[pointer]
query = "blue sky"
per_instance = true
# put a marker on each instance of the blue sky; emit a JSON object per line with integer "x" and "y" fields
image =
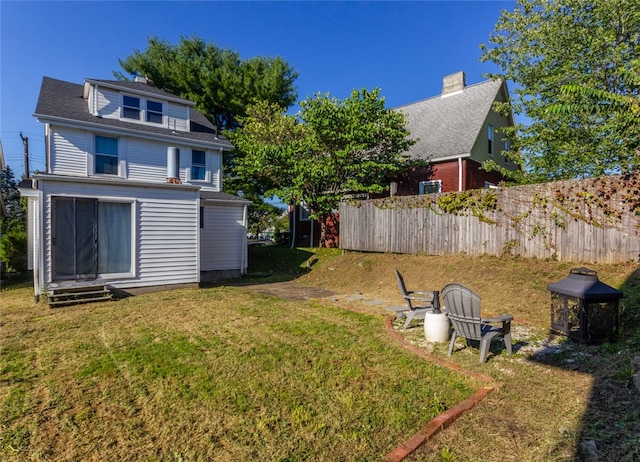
{"x": 403, "y": 48}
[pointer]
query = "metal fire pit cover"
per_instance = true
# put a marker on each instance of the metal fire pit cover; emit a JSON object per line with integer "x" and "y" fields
{"x": 584, "y": 283}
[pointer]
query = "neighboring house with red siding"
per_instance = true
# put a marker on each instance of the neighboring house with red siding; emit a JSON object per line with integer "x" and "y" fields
{"x": 306, "y": 232}
{"x": 457, "y": 131}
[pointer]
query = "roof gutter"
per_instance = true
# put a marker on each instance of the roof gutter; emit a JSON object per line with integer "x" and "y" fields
{"x": 72, "y": 123}
{"x": 226, "y": 201}
{"x": 139, "y": 91}
{"x": 104, "y": 180}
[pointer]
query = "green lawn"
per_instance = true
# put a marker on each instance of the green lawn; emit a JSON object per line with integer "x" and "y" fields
{"x": 208, "y": 374}
{"x": 226, "y": 374}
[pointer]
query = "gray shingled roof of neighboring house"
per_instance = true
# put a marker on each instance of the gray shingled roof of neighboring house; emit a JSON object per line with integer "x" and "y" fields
{"x": 448, "y": 126}
{"x": 64, "y": 101}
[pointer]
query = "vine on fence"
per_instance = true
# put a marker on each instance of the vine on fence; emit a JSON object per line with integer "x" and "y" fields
{"x": 476, "y": 202}
{"x": 538, "y": 212}
{"x": 596, "y": 201}
{"x": 600, "y": 201}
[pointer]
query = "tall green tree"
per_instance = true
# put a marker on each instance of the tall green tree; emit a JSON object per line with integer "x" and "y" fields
{"x": 547, "y": 47}
{"x": 625, "y": 108}
{"x": 220, "y": 83}
{"x": 13, "y": 234}
{"x": 15, "y": 218}
{"x": 331, "y": 148}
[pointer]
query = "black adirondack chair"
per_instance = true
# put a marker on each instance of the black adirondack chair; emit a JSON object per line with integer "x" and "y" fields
{"x": 463, "y": 307}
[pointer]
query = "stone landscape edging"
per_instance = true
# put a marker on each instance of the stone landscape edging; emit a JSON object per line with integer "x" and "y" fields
{"x": 446, "y": 418}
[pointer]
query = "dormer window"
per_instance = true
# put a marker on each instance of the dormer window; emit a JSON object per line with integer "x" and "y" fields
{"x": 141, "y": 110}
{"x": 130, "y": 107}
{"x": 154, "y": 112}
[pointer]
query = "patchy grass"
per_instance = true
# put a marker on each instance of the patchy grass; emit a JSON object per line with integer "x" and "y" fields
{"x": 208, "y": 374}
{"x": 225, "y": 374}
{"x": 556, "y": 394}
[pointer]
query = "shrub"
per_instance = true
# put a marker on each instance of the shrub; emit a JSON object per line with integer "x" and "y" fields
{"x": 13, "y": 250}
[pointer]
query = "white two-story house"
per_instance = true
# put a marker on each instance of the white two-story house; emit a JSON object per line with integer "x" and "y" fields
{"x": 132, "y": 194}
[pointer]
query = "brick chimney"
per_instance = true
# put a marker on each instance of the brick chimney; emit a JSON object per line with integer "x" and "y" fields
{"x": 453, "y": 83}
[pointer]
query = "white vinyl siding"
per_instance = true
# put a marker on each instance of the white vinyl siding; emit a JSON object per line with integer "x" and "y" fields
{"x": 108, "y": 103}
{"x": 72, "y": 153}
{"x": 168, "y": 243}
{"x": 223, "y": 238}
{"x": 69, "y": 152}
{"x": 146, "y": 160}
{"x": 215, "y": 167}
{"x": 33, "y": 231}
{"x": 164, "y": 230}
{"x": 178, "y": 117}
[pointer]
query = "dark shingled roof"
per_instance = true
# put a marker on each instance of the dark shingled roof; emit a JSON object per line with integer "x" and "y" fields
{"x": 220, "y": 196}
{"x": 140, "y": 88}
{"x": 449, "y": 126}
{"x": 64, "y": 100}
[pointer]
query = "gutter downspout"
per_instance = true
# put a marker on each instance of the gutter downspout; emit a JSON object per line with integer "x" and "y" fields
{"x": 459, "y": 173}
{"x": 293, "y": 227}
{"x": 313, "y": 225}
{"x": 245, "y": 250}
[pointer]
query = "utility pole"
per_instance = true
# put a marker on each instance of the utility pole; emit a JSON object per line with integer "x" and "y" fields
{"x": 25, "y": 142}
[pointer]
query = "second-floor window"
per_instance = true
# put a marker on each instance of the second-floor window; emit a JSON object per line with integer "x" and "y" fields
{"x": 198, "y": 167}
{"x": 106, "y": 158}
{"x": 154, "y": 112}
{"x": 490, "y": 140}
{"x": 130, "y": 107}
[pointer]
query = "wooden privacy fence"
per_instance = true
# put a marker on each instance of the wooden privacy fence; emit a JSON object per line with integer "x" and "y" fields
{"x": 592, "y": 220}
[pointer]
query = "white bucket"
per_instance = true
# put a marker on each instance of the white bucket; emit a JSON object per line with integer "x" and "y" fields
{"x": 437, "y": 327}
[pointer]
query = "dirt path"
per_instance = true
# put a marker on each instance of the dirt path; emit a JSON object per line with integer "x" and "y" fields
{"x": 289, "y": 290}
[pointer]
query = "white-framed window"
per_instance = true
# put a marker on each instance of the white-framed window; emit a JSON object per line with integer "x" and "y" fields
{"x": 115, "y": 239}
{"x": 490, "y": 134}
{"x": 430, "y": 187}
{"x": 91, "y": 238}
{"x": 130, "y": 107}
{"x": 304, "y": 212}
{"x": 154, "y": 112}
{"x": 142, "y": 110}
{"x": 198, "y": 165}
{"x": 507, "y": 148}
{"x": 106, "y": 155}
